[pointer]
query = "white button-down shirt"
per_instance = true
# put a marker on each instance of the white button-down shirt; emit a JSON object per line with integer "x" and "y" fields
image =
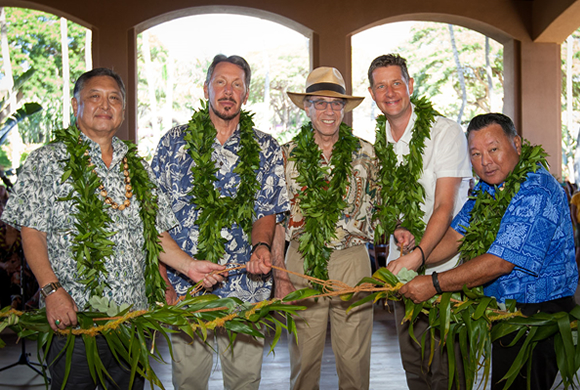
{"x": 445, "y": 155}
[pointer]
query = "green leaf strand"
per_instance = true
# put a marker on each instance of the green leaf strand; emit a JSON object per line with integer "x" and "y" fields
{"x": 401, "y": 193}
{"x": 321, "y": 200}
{"x": 217, "y": 212}
{"x": 91, "y": 245}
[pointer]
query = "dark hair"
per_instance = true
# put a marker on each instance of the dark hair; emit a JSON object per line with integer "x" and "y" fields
{"x": 80, "y": 84}
{"x": 389, "y": 60}
{"x": 481, "y": 121}
{"x": 236, "y": 60}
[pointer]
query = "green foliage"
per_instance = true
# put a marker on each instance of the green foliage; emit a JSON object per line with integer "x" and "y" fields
{"x": 476, "y": 321}
{"x": 401, "y": 193}
{"x": 321, "y": 199}
{"x": 431, "y": 63}
{"x": 217, "y": 212}
{"x": 91, "y": 244}
{"x": 128, "y": 336}
{"x": 34, "y": 40}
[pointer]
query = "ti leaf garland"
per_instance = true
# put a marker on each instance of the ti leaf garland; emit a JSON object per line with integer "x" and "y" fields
{"x": 217, "y": 212}
{"x": 321, "y": 201}
{"x": 92, "y": 245}
{"x": 401, "y": 194}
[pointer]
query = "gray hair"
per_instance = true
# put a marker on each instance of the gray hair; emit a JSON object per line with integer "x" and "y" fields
{"x": 82, "y": 80}
{"x": 236, "y": 60}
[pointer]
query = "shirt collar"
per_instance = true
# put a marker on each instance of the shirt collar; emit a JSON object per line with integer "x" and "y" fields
{"x": 119, "y": 150}
{"x": 232, "y": 141}
{"x": 408, "y": 134}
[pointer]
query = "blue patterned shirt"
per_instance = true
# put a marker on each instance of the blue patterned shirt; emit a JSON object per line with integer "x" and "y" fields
{"x": 535, "y": 235}
{"x": 172, "y": 165}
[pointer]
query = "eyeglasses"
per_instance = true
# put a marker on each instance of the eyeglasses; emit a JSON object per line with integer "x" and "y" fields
{"x": 321, "y": 105}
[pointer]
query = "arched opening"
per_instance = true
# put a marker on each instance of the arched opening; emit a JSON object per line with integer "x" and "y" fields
{"x": 42, "y": 56}
{"x": 171, "y": 68}
{"x": 459, "y": 69}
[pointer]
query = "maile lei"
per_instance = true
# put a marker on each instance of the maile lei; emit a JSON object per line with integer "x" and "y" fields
{"x": 217, "y": 212}
{"x": 401, "y": 194}
{"x": 92, "y": 245}
{"x": 321, "y": 201}
{"x": 489, "y": 209}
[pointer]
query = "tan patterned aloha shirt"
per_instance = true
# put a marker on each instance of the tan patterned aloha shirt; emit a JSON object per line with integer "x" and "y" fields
{"x": 355, "y": 225}
{"x": 34, "y": 203}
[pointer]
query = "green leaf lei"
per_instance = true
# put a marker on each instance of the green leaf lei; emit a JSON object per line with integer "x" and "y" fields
{"x": 217, "y": 212}
{"x": 401, "y": 194}
{"x": 321, "y": 201}
{"x": 488, "y": 211}
{"x": 92, "y": 245}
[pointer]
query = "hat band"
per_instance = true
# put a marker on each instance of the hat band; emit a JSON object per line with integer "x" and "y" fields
{"x": 325, "y": 87}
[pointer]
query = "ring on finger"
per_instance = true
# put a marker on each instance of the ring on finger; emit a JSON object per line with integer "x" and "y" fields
{"x": 57, "y": 322}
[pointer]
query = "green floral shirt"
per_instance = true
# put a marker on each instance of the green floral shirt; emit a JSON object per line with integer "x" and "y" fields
{"x": 34, "y": 203}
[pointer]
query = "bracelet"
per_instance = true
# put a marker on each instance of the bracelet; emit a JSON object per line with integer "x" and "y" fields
{"x": 422, "y": 256}
{"x": 436, "y": 282}
{"x": 261, "y": 243}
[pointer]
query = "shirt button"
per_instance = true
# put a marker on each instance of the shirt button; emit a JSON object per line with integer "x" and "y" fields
{"x": 221, "y": 164}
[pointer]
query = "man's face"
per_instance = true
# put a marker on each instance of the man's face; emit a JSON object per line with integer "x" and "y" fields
{"x": 325, "y": 122}
{"x": 226, "y": 90}
{"x": 493, "y": 154}
{"x": 391, "y": 91}
{"x": 99, "y": 109}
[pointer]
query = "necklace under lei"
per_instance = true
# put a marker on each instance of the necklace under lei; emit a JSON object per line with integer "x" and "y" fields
{"x": 92, "y": 245}
{"x": 401, "y": 193}
{"x": 216, "y": 211}
{"x": 321, "y": 200}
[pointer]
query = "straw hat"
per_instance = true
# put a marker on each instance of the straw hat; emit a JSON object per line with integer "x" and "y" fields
{"x": 328, "y": 82}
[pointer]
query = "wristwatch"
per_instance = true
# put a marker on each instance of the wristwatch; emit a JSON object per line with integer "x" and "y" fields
{"x": 50, "y": 288}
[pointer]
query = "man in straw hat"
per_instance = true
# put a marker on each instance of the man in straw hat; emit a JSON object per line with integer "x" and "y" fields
{"x": 330, "y": 175}
{"x": 419, "y": 137}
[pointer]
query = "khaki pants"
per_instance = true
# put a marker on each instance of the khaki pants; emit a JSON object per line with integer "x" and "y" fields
{"x": 419, "y": 375}
{"x": 350, "y": 333}
{"x": 193, "y": 361}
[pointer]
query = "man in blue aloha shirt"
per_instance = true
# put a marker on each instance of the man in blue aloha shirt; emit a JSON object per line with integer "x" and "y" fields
{"x": 226, "y": 88}
{"x": 531, "y": 259}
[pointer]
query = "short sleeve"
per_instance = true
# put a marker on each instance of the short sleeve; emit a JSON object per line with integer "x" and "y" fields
{"x": 462, "y": 220}
{"x": 451, "y": 150}
{"x": 272, "y": 198}
{"x": 30, "y": 202}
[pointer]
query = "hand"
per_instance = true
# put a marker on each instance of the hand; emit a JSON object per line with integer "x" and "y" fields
{"x": 170, "y": 294}
{"x": 60, "y": 306}
{"x": 283, "y": 287}
{"x": 260, "y": 261}
{"x": 419, "y": 289}
{"x": 412, "y": 261}
{"x": 405, "y": 240}
{"x": 206, "y": 272}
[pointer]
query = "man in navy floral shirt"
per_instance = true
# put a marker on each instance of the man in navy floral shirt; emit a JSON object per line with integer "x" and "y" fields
{"x": 226, "y": 88}
{"x": 532, "y": 257}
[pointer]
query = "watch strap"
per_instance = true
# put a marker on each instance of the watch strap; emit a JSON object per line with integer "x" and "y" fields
{"x": 50, "y": 288}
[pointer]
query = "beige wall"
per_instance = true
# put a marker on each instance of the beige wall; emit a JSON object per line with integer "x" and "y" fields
{"x": 531, "y": 31}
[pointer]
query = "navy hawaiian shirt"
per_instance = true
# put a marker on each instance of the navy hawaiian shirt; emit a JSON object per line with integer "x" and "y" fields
{"x": 172, "y": 165}
{"x": 536, "y": 236}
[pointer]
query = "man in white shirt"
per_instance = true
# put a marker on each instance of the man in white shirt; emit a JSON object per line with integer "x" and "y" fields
{"x": 445, "y": 180}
